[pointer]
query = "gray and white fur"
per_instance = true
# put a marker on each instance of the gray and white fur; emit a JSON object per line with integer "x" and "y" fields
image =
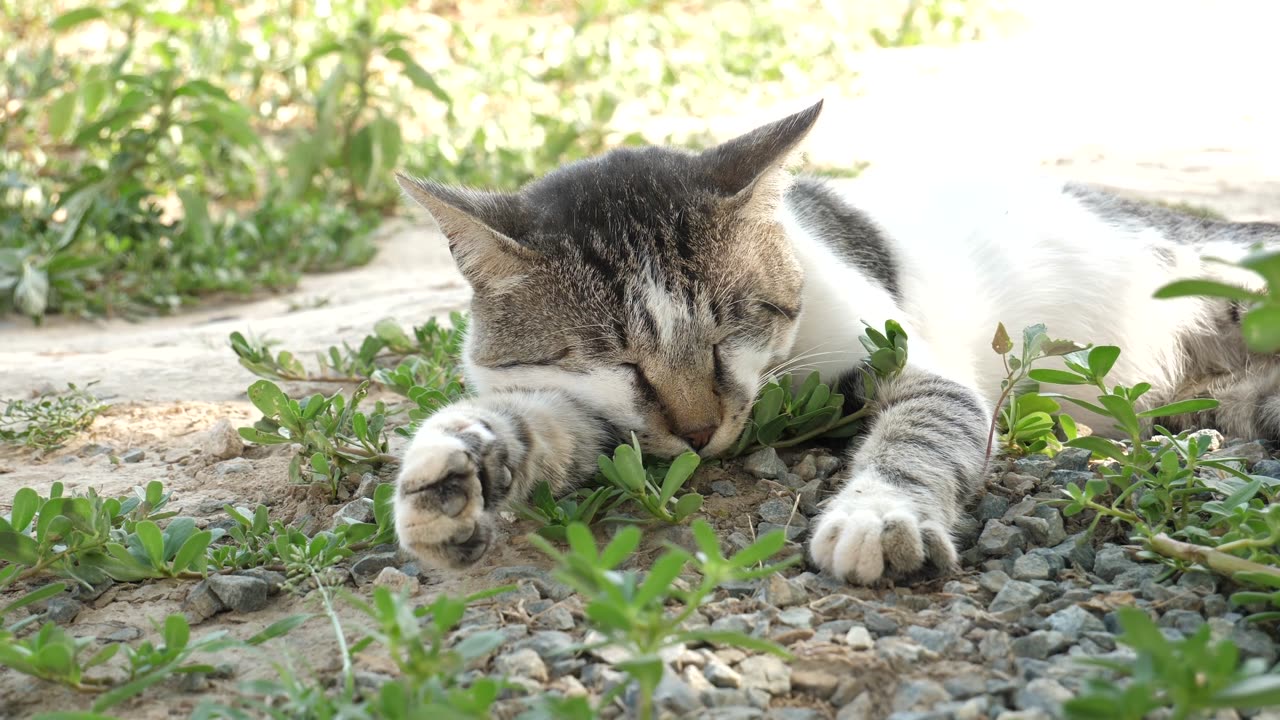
{"x": 653, "y": 290}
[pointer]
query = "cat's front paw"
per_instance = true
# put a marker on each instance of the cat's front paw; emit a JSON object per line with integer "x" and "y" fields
{"x": 445, "y": 486}
{"x": 872, "y": 531}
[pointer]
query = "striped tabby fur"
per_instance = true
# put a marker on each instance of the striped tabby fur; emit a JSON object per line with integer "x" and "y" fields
{"x": 652, "y": 290}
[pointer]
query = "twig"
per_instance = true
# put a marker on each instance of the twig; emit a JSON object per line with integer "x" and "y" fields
{"x": 1217, "y": 561}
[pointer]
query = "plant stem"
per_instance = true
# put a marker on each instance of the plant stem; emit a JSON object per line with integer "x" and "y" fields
{"x": 1213, "y": 559}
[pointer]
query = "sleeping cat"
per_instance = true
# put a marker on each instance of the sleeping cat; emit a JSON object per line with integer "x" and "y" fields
{"x": 653, "y": 290}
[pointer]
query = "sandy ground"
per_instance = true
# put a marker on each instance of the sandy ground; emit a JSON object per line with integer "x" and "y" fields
{"x": 1174, "y": 101}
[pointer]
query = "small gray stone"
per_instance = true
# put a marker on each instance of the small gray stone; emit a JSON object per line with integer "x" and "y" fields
{"x": 127, "y": 633}
{"x": 1215, "y": 605}
{"x": 1040, "y": 644}
{"x": 799, "y": 617}
{"x": 807, "y": 469}
{"x": 1254, "y": 643}
{"x": 523, "y": 663}
{"x": 858, "y": 638}
{"x": 241, "y": 593}
{"x": 273, "y": 579}
{"x": 765, "y": 464}
{"x": 1063, "y": 478}
{"x": 993, "y": 580}
{"x": 356, "y": 511}
{"x": 1074, "y": 621}
{"x": 724, "y": 488}
{"x": 135, "y": 455}
{"x": 1022, "y": 508}
{"x": 779, "y": 512}
{"x": 1042, "y": 694}
{"x": 932, "y": 639}
{"x": 1111, "y": 562}
{"x": 61, "y": 609}
{"x": 1037, "y": 466}
{"x": 990, "y": 507}
{"x": 1031, "y": 567}
{"x": 919, "y": 695}
{"x": 861, "y": 708}
{"x": 201, "y": 603}
{"x": 1016, "y": 595}
{"x": 810, "y": 496}
{"x": 792, "y": 532}
{"x": 1037, "y": 529}
{"x": 1250, "y": 452}
{"x": 998, "y": 539}
{"x": 879, "y": 624}
{"x": 767, "y": 673}
{"x": 721, "y": 675}
{"x": 367, "y": 568}
{"x": 966, "y": 685}
{"x": 793, "y": 713}
{"x": 826, "y": 465}
{"x": 220, "y": 442}
{"x": 1072, "y": 459}
{"x": 1051, "y": 515}
{"x": 1267, "y": 467}
{"x": 396, "y": 581}
{"x": 1215, "y": 438}
{"x": 234, "y": 466}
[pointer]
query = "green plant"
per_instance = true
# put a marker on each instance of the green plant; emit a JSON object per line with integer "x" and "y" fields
{"x": 48, "y": 420}
{"x": 1191, "y": 677}
{"x": 630, "y": 611}
{"x": 627, "y": 473}
{"x": 336, "y": 438}
{"x": 782, "y": 417}
{"x": 1260, "y": 321}
{"x": 555, "y": 516}
{"x": 1026, "y": 418}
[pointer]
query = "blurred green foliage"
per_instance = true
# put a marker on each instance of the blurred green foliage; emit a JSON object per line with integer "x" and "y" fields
{"x": 156, "y": 152}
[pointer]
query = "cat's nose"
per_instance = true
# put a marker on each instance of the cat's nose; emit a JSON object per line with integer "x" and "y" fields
{"x": 698, "y": 439}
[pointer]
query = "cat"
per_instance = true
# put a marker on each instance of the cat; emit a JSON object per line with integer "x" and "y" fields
{"x": 653, "y": 290}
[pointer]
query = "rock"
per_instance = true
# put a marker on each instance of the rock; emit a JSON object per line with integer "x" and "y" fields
{"x": 1057, "y": 533}
{"x": 1016, "y": 595}
{"x": 919, "y": 695}
{"x": 367, "y": 568}
{"x": 810, "y": 497}
{"x": 1031, "y": 567}
{"x": 396, "y": 581}
{"x": 767, "y": 673}
{"x": 136, "y": 455}
{"x": 806, "y": 469}
{"x": 220, "y": 442}
{"x": 1074, "y": 621}
{"x": 201, "y": 603}
{"x": 721, "y": 675}
{"x": 1022, "y": 508}
{"x": 1249, "y": 452}
{"x": 1036, "y": 529}
{"x": 765, "y": 464}
{"x": 1040, "y": 644}
{"x": 1072, "y": 459}
{"x": 241, "y": 593}
{"x": 557, "y": 617}
{"x": 61, "y": 609}
{"x": 779, "y": 512}
{"x": 826, "y": 465}
{"x": 993, "y": 580}
{"x": 932, "y": 639}
{"x": 1111, "y": 562}
{"x": 356, "y": 511}
{"x": 879, "y": 624}
{"x": 1215, "y": 605}
{"x": 858, "y": 638}
{"x": 126, "y": 633}
{"x": 273, "y": 579}
{"x": 672, "y": 695}
{"x": 990, "y": 507}
{"x": 1043, "y": 694}
{"x": 724, "y": 488}
{"x": 524, "y": 663}
{"x": 863, "y": 707}
{"x": 1215, "y": 438}
{"x": 1037, "y": 466}
{"x": 793, "y": 532}
{"x": 800, "y": 617}
{"x": 1254, "y": 643}
{"x": 998, "y": 539}
{"x": 966, "y": 685}
{"x": 234, "y": 466}
{"x": 1063, "y": 478}
{"x": 1267, "y": 467}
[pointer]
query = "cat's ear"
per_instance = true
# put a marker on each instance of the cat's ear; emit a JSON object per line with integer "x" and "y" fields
{"x": 736, "y": 167}
{"x": 480, "y": 227}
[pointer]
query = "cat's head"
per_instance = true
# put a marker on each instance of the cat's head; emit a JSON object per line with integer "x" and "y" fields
{"x": 654, "y": 284}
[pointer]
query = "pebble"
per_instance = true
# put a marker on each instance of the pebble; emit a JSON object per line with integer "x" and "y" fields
{"x": 201, "y": 603}
{"x": 557, "y": 617}
{"x": 136, "y": 455}
{"x": 220, "y": 442}
{"x": 767, "y": 673}
{"x": 356, "y": 511}
{"x": 1031, "y": 567}
{"x": 724, "y": 488}
{"x": 800, "y": 617}
{"x": 919, "y": 695}
{"x": 1016, "y": 595}
{"x": 721, "y": 675}
{"x": 826, "y": 465}
{"x": 1072, "y": 459}
{"x": 991, "y": 507}
{"x": 1044, "y": 695}
{"x": 1111, "y": 562}
{"x": 858, "y": 638}
{"x": 806, "y": 469}
{"x": 241, "y": 593}
{"x": 879, "y": 624}
{"x": 234, "y": 466}
{"x": 792, "y": 531}
{"x": 999, "y": 539}
{"x": 1063, "y": 478}
{"x": 779, "y": 512}
{"x": 1040, "y": 644}
{"x": 1074, "y": 621}
{"x": 61, "y": 609}
{"x": 396, "y": 581}
{"x": 1037, "y": 466}
{"x": 765, "y": 464}
{"x": 1267, "y": 468}
{"x": 525, "y": 663}
{"x": 367, "y": 568}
